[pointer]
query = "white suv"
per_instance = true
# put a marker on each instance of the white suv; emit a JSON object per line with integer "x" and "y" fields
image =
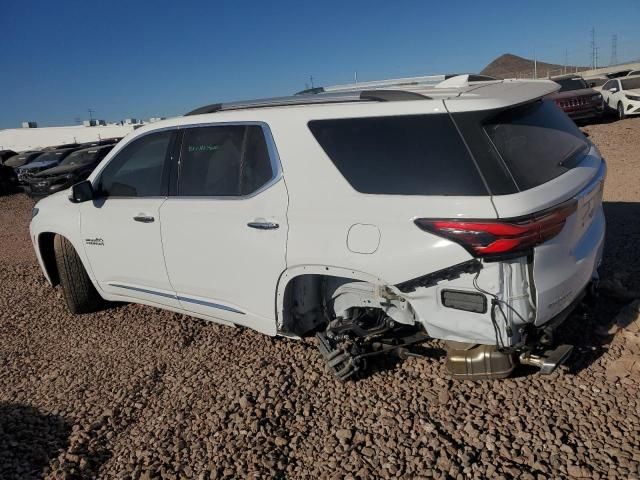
{"x": 462, "y": 211}
{"x": 623, "y": 96}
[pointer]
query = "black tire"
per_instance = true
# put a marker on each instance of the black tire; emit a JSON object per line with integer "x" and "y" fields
{"x": 79, "y": 292}
{"x": 621, "y": 114}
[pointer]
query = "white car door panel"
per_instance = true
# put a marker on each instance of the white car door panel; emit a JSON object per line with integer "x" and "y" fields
{"x": 225, "y": 252}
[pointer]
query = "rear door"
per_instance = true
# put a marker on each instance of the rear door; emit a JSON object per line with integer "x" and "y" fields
{"x": 552, "y": 162}
{"x": 225, "y": 231}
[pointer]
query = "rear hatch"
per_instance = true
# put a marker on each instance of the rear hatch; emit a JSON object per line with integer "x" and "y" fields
{"x": 556, "y": 169}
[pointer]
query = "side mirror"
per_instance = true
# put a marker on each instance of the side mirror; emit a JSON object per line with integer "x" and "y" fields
{"x": 592, "y": 84}
{"x": 82, "y": 192}
{"x": 613, "y": 90}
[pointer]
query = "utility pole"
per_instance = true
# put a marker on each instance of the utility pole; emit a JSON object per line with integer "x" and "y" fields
{"x": 594, "y": 49}
{"x": 535, "y": 65}
{"x": 614, "y": 50}
{"x": 355, "y": 76}
{"x": 566, "y": 59}
{"x": 91, "y": 112}
{"x": 311, "y": 80}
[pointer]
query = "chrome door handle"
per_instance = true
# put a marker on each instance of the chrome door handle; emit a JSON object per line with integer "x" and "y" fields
{"x": 263, "y": 225}
{"x": 143, "y": 218}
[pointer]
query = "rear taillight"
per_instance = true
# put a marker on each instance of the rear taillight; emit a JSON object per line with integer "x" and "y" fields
{"x": 487, "y": 238}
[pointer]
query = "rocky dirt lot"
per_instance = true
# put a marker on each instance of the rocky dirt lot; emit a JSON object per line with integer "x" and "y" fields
{"x": 135, "y": 392}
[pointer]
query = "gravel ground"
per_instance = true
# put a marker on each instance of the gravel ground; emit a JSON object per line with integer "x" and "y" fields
{"x": 136, "y": 392}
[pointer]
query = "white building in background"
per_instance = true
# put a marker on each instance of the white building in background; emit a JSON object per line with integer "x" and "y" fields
{"x": 31, "y": 138}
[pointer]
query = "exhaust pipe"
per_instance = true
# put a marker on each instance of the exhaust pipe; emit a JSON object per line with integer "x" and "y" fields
{"x": 548, "y": 360}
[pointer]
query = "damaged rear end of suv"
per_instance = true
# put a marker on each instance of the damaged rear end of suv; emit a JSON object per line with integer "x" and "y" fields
{"x": 493, "y": 198}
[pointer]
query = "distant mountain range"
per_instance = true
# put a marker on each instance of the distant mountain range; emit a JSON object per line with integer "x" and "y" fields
{"x": 513, "y": 66}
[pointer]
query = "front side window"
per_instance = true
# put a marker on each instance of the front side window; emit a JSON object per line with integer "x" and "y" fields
{"x": 631, "y": 83}
{"x": 223, "y": 161}
{"x": 138, "y": 170}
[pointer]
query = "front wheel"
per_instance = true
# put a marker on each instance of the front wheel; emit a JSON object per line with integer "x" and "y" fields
{"x": 79, "y": 293}
{"x": 621, "y": 114}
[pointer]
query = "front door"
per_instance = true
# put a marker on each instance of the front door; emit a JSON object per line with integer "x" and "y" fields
{"x": 225, "y": 232}
{"x": 121, "y": 227}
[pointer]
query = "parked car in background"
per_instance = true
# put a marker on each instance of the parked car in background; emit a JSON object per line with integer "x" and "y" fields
{"x": 633, "y": 73}
{"x": 577, "y": 99}
{"x": 48, "y": 159}
{"x": 23, "y": 158}
{"x": 622, "y": 95}
{"x": 102, "y": 142}
{"x": 76, "y": 167}
{"x": 6, "y": 155}
{"x": 8, "y": 180}
{"x": 466, "y": 212}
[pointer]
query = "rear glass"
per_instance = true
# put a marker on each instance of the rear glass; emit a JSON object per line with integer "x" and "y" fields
{"x": 537, "y": 142}
{"x": 400, "y": 155}
{"x": 567, "y": 84}
{"x": 630, "y": 83}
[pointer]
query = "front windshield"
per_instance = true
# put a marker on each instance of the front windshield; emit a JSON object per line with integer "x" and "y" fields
{"x": 631, "y": 83}
{"x": 575, "y": 83}
{"x": 79, "y": 158}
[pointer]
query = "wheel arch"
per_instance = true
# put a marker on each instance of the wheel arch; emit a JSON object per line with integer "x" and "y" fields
{"x": 46, "y": 255}
{"x": 288, "y": 279}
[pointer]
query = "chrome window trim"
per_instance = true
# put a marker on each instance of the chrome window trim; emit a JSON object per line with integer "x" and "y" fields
{"x": 274, "y": 159}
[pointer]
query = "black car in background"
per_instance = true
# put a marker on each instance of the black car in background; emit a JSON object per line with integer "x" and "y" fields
{"x": 8, "y": 180}
{"x": 577, "y": 99}
{"x": 48, "y": 159}
{"x": 23, "y": 158}
{"x": 76, "y": 167}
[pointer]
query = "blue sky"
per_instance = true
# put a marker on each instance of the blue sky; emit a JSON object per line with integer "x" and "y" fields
{"x": 162, "y": 58}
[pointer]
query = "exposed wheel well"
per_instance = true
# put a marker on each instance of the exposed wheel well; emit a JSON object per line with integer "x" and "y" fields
{"x": 47, "y": 252}
{"x": 312, "y": 300}
{"x": 307, "y": 302}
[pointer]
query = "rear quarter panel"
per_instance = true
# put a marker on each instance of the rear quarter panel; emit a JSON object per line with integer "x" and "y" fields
{"x": 323, "y": 207}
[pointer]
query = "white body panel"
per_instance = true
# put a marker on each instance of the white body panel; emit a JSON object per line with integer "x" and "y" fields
{"x": 125, "y": 255}
{"x": 219, "y": 266}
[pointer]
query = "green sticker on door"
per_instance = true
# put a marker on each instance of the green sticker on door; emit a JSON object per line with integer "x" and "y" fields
{"x": 202, "y": 148}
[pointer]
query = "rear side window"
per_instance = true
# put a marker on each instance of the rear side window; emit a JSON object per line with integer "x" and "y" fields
{"x": 538, "y": 142}
{"x": 224, "y": 161}
{"x": 400, "y": 155}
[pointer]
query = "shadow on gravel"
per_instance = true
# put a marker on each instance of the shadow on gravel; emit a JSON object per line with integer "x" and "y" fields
{"x": 29, "y": 439}
{"x": 621, "y": 245}
{"x": 620, "y": 263}
{"x": 389, "y": 362}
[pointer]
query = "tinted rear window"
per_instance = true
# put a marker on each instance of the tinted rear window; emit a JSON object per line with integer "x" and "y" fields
{"x": 537, "y": 142}
{"x": 400, "y": 155}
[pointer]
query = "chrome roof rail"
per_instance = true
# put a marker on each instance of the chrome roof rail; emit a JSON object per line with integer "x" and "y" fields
{"x": 313, "y": 99}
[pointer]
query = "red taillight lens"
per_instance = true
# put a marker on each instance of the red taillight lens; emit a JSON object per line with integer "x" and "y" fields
{"x": 484, "y": 238}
